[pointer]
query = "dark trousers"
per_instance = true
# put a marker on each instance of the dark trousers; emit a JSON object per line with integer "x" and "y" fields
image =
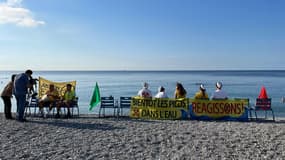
{"x": 21, "y": 101}
{"x": 7, "y": 106}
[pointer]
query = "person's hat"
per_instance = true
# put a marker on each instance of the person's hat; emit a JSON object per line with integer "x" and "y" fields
{"x": 145, "y": 85}
{"x": 202, "y": 87}
{"x": 219, "y": 85}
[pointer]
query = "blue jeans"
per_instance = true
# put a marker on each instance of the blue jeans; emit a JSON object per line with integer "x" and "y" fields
{"x": 21, "y": 102}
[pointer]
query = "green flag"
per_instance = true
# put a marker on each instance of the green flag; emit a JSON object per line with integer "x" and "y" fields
{"x": 95, "y": 98}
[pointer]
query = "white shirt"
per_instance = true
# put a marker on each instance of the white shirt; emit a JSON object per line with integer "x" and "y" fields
{"x": 161, "y": 95}
{"x": 146, "y": 93}
{"x": 219, "y": 94}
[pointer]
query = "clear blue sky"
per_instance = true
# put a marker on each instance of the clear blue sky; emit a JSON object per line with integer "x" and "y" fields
{"x": 142, "y": 34}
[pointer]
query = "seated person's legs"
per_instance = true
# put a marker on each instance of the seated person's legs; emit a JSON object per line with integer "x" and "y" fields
{"x": 58, "y": 106}
{"x": 52, "y": 104}
{"x": 68, "y": 105}
{"x": 42, "y": 104}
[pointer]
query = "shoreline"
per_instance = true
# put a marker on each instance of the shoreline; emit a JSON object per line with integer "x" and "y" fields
{"x": 89, "y": 137}
{"x": 126, "y": 116}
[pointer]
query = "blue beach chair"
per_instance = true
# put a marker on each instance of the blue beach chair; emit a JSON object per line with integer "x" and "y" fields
{"x": 109, "y": 103}
{"x": 125, "y": 102}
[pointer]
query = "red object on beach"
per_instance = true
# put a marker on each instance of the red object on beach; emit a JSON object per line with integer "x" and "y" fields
{"x": 263, "y": 93}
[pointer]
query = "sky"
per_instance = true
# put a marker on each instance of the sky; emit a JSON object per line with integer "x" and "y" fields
{"x": 142, "y": 34}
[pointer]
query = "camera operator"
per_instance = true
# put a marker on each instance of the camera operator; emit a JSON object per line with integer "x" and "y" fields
{"x": 20, "y": 90}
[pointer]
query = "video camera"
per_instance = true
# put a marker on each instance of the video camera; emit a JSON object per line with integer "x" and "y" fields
{"x": 33, "y": 81}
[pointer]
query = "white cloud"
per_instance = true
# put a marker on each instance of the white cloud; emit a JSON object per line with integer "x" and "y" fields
{"x": 14, "y": 2}
{"x": 12, "y": 12}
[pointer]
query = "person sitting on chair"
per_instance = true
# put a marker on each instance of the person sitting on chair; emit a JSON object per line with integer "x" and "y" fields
{"x": 49, "y": 98}
{"x": 68, "y": 100}
{"x": 219, "y": 93}
{"x": 202, "y": 93}
{"x": 180, "y": 92}
{"x": 161, "y": 93}
{"x": 145, "y": 92}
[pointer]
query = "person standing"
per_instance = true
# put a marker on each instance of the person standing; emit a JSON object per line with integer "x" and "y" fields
{"x": 6, "y": 95}
{"x": 21, "y": 85}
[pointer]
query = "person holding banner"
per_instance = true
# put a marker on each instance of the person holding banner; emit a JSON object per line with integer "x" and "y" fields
{"x": 180, "y": 92}
{"x": 145, "y": 92}
{"x": 202, "y": 93}
{"x": 219, "y": 93}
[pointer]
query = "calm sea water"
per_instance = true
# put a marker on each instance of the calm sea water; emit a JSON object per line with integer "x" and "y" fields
{"x": 238, "y": 84}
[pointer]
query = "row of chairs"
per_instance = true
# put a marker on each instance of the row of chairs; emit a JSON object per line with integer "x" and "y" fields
{"x": 32, "y": 104}
{"x": 32, "y": 107}
{"x": 111, "y": 103}
{"x": 125, "y": 102}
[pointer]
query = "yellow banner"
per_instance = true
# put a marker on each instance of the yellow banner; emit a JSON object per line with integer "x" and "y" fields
{"x": 218, "y": 108}
{"x": 59, "y": 86}
{"x": 159, "y": 108}
{"x": 155, "y": 113}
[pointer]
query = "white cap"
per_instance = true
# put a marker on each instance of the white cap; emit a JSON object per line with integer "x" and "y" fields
{"x": 202, "y": 87}
{"x": 219, "y": 85}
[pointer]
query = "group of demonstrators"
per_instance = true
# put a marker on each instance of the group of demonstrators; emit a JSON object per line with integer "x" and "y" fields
{"x": 53, "y": 99}
{"x": 22, "y": 84}
{"x": 180, "y": 92}
{"x": 199, "y": 107}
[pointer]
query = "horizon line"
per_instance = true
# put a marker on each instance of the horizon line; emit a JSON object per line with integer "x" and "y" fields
{"x": 154, "y": 70}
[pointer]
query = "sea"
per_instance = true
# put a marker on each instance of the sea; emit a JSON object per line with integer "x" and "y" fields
{"x": 237, "y": 83}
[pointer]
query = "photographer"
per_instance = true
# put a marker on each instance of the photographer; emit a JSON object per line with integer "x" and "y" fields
{"x": 21, "y": 85}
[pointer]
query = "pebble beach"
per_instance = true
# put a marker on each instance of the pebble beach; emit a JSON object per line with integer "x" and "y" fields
{"x": 90, "y": 137}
